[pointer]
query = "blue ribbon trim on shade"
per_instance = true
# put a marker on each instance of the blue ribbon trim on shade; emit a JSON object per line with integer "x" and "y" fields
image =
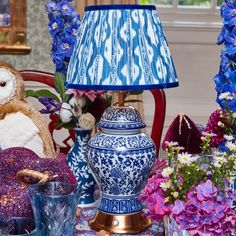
{"x": 118, "y": 7}
{"x": 121, "y": 87}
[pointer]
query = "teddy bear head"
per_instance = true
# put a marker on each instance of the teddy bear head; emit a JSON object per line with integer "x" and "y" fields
{"x": 11, "y": 84}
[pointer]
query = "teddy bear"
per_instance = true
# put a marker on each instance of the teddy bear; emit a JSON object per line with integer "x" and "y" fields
{"x": 21, "y": 125}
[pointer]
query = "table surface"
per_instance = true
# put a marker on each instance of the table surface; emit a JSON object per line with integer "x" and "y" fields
{"x": 82, "y": 228}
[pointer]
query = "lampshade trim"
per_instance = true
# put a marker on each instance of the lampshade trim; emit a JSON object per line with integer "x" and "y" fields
{"x": 121, "y": 87}
{"x": 118, "y": 7}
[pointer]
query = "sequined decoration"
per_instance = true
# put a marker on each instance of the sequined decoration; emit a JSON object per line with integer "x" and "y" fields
{"x": 14, "y": 200}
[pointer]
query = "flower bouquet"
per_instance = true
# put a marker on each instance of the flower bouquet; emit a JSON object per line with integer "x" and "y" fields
{"x": 71, "y": 108}
{"x": 193, "y": 191}
{"x": 196, "y": 193}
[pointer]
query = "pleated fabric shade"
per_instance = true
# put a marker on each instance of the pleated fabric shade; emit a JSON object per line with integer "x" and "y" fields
{"x": 121, "y": 47}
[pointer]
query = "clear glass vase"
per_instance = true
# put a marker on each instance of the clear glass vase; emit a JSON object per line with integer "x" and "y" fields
{"x": 54, "y": 205}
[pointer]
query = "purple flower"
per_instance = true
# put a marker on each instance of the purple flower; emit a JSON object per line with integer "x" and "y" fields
{"x": 178, "y": 207}
{"x": 208, "y": 206}
{"x": 66, "y": 9}
{"x": 51, "y": 6}
{"x": 50, "y": 104}
{"x": 205, "y": 190}
{"x": 55, "y": 24}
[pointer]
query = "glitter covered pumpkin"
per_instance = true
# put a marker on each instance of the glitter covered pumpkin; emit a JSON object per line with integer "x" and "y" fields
{"x": 14, "y": 199}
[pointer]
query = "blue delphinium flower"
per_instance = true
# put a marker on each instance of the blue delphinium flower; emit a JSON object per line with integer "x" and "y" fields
{"x": 63, "y": 26}
{"x": 225, "y": 80}
{"x": 228, "y": 12}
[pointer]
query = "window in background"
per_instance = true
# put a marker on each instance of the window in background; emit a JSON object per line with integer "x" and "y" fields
{"x": 189, "y": 3}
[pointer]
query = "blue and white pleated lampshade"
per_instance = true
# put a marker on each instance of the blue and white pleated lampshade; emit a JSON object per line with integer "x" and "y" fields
{"x": 121, "y": 47}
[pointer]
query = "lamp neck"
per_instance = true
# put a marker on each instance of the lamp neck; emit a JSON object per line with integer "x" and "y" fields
{"x": 121, "y": 98}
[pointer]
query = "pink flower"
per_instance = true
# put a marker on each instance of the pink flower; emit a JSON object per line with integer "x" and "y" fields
{"x": 158, "y": 166}
{"x": 90, "y": 94}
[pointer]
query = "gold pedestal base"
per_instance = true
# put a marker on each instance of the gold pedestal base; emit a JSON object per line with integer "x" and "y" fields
{"x": 120, "y": 224}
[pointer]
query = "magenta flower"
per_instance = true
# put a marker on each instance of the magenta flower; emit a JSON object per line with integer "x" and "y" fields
{"x": 213, "y": 127}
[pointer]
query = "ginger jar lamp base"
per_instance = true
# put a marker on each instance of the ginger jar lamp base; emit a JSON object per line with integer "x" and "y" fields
{"x": 121, "y": 158}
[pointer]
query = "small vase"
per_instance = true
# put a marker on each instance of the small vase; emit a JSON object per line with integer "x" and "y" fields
{"x": 77, "y": 161}
{"x": 54, "y": 205}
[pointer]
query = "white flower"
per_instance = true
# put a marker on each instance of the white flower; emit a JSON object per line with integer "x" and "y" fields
{"x": 220, "y": 124}
{"x": 171, "y": 143}
{"x": 226, "y": 96}
{"x": 216, "y": 164}
{"x": 81, "y": 101}
{"x": 185, "y": 158}
{"x": 220, "y": 159}
{"x": 178, "y": 148}
{"x": 76, "y": 108}
{"x": 167, "y": 171}
{"x": 228, "y": 137}
{"x": 231, "y": 146}
{"x": 208, "y": 134}
{"x": 66, "y": 113}
{"x": 86, "y": 121}
{"x": 165, "y": 185}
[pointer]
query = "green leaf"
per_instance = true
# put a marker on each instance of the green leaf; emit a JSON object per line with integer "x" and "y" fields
{"x": 61, "y": 89}
{"x": 65, "y": 125}
{"x": 40, "y": 93}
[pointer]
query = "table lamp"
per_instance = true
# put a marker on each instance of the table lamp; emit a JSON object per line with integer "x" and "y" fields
{"x": 121, "y": 47}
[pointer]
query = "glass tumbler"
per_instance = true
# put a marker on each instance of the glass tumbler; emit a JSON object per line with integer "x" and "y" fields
{"x": 21, "y": 226}
{"x": 54, "y": 205}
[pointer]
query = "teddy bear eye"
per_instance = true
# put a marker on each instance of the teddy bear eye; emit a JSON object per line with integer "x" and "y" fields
{"x": 3, "y": 84}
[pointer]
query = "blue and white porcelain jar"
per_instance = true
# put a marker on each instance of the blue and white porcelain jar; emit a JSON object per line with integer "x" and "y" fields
{"x": 121, "y": 158}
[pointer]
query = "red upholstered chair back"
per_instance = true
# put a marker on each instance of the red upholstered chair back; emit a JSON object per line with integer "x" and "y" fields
{"x": 159, "y": 116}
{"x": 48, "y": 79}
{"x": 158, "y": 120}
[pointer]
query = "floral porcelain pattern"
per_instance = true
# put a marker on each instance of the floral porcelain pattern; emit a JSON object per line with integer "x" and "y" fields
{"x": 123, "y": 173}
{"x": 121, "y": 118}
{"x": 121, "y": 160}
{"x": 102, "y": 140}
{"x": 77, "y": 161}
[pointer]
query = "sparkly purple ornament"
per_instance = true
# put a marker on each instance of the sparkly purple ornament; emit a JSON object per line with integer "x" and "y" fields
{"x": 14, "y": 199}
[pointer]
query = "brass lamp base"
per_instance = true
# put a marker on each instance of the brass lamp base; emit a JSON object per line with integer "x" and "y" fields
{"x": 120, "y": 224}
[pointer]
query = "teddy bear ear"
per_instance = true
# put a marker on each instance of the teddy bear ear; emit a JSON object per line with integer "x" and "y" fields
{"x": 4, "y": 64}
{"x": 184, "y": 131}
